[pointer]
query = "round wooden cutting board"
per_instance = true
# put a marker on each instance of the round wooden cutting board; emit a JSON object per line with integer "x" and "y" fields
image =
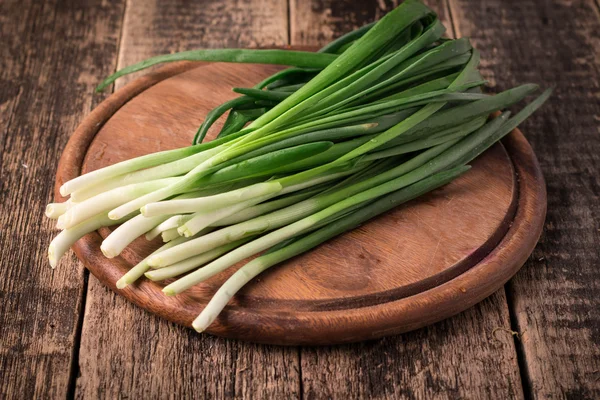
{"x": 420, "y": 263}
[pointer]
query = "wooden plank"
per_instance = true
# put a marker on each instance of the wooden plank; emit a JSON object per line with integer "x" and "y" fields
{"x": 126, "y": 352}
{"x": 460, "y": 357}
{"x": 554, "y": 298}
{"x": 51, "y": 55}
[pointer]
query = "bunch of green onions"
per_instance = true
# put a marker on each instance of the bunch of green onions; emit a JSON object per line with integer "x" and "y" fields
{"x": 378, "y": 117}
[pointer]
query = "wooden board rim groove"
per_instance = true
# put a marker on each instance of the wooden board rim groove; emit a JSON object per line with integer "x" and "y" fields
{"x": 390, "y": 317}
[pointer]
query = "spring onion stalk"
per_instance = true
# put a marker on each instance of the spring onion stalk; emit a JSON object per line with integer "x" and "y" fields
{"x": 237, "y": 119}
{"x": 344, "y": 84}
{"x": 184, "y": 184}
{"x": 432, "y": 85}
{"x": 192, "y": 263}
{"x": 445, "y": 67}
{"x": 217, "y": 112}
{"x": 60, "y": 222}
{"x": 405, "y": 102}
{"x": 65, "y": 239}
{"x": 266, "y": 164}
{"x": 278, "y": 57}
{"x": 170, "y": 234}
{"x": 107, "y": 200}
{"x": 55, "y": 210}
{"x": 171, "y": 169}
{"x": 212, "y": 203}
{"x": 150, "y": 160}
{"x": 121, "y": 237}
{"x": 202, "y": 220}
{"x": 330, "y": 134}
{"x": 209, "y": 203}
{"x": 463, "y": 113}
{"x": 305, "y": 136}
{"x": 249, "y": 271}
{"x": 427, "y": 142}
{"x": 140, "y": 268}
{"x": 257, "y": 94}
{"x": 174, "y": 222}
{"x": 264, "y": 208}
{"x": 448, "y": 48}
{"x": 280, "y": 78}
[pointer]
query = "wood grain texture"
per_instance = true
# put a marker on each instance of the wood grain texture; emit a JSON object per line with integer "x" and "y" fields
{"x": 125, "y": 352}
{"x": 555, "y": 296}
{"x": 315, "y": 22}
{"x": 461, "y": 362}
{"x": 51, "y": 55}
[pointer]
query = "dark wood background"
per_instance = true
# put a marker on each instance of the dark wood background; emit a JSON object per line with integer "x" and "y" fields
{"x": 63, "y": 334}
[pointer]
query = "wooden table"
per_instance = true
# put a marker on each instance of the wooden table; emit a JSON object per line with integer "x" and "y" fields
{"x": 63, "y": 334}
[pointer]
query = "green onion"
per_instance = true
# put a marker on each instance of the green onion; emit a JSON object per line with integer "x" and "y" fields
{"x": 191, "y": 263}
{"x": 279, "y": 57}
{"x": 65, "y": 239}
{"x": 140, "y": 268}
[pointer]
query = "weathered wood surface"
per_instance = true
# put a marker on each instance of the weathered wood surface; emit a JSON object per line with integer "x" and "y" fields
{"x": 126, "y": 352}
{"x": 554, "y": 298}
{"x": 460, "y": 357}
{"x": 51, "y": 54}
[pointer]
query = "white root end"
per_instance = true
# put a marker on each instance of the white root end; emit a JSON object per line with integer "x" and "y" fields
{"x": 108, "y": 251}
{"x": 52, "y": 257}
{"x": 121, "y": 283}
{"x": 60, "y": 222}
{"x": 155, "y": 261}
{"x": 64, "y": 191}
{"x": 55, "y": 210}
{"x": 203, "y": 321}
{"x": 184, "y": 231}
{"x": 169, "y": 235}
